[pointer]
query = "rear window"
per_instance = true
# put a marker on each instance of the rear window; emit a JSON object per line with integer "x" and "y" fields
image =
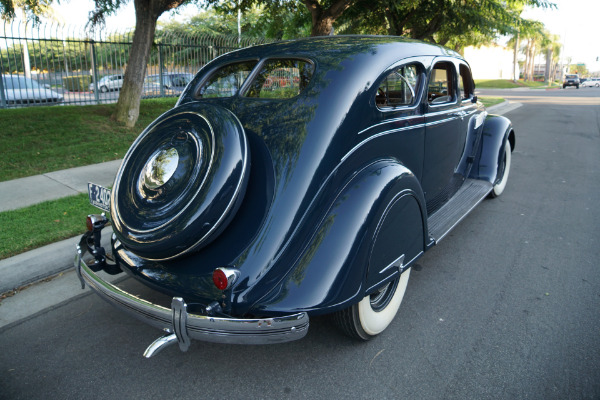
{"x": 276, "y": 79}
{"x": 571, "y": 76}
{"x": 226, "y": 81}
{"x": 281, "y": 79}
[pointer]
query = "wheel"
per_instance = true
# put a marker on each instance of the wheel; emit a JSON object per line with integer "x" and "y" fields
{"x": 503, "y": 171}
{"x": 374, "y": 312}
{"x": 181, "y": 182}
{"x": 564, "y": 86}
{"x": 577, "y": 86}
{"x": 103, "y": 89}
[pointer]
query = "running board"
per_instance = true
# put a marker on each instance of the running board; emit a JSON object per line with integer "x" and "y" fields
{"x": 471, "y": 193}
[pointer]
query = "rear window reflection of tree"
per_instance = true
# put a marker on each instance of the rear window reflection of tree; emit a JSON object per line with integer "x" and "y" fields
{"x": 226, "y": 81}
{"x": 281, "y": 79}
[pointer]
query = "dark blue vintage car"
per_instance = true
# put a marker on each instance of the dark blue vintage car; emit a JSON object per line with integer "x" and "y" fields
{"x": 295, "y": 179}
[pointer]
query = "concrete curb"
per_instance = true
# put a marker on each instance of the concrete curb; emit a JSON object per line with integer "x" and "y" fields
{"x": 503, "y": 107}
{"x": 41, "y": 263}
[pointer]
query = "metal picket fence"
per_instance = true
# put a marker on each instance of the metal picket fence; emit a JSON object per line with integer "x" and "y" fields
{"x": 52, "y": 63}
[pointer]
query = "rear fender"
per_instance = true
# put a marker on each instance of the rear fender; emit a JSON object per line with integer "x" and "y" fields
{"x": 331, "y": 273}
{"x": 496, "y": 131}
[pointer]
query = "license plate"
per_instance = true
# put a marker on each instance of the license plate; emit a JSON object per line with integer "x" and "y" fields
{"x": 99, "y": 196}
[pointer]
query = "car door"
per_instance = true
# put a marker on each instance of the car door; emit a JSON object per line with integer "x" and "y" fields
{"x": 471, "y": 114}
{"x": 445, "y": 135}
{"x": 399, "y": 121}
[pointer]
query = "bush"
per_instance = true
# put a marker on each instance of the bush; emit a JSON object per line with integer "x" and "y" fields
{"x": 79, "y": 83}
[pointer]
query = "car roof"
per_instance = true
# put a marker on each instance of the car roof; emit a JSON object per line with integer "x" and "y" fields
{"x": 343, "y": 58}
{"x": 331, "y": 50}
{"x": 352, "y": 44}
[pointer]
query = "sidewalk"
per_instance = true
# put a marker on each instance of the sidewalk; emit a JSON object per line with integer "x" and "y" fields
{"x": 24, "y": 192}
{"x": 52, "y": 259}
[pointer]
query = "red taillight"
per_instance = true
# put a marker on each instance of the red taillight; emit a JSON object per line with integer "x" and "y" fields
{"x": 224, "y": 278}
{"x": 220, "y": 279}
{"x": 89, "y": 223}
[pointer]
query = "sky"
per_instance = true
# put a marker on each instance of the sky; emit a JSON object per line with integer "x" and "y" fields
{"x": 575, "y": 21}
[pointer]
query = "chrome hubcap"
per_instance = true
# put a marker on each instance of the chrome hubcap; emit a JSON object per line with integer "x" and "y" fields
{"x": 160, "y": 168}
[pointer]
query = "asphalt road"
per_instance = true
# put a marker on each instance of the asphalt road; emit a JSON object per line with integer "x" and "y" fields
{"x": 506, "y": 307}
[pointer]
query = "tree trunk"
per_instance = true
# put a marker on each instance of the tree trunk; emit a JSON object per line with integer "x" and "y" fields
{"x": 323, "y": 19}
{"x": 515, "y": 64}
{"x": 548, "y": 63}
{"x": 146, "y": 15}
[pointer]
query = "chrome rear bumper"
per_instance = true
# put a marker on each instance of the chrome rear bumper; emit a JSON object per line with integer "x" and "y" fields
{"x": 182, "y": 326}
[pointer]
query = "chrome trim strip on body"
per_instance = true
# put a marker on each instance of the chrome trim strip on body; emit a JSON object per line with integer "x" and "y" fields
{"x": 406, "y": 128}
{"x": 401, "y": 269}
{"x": 456, "y": 113}
{"x": 390, "y": 121}
{"x": 193, "y": 326}
{"x": 432, "y": 114}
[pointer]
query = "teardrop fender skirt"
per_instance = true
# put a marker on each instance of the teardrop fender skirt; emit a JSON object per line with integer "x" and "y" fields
{"x": 181, "y": 182}
{"x": 182, "y": 326}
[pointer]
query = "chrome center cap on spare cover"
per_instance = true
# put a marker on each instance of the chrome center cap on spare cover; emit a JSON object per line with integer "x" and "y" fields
{"x": 160, "y": 168}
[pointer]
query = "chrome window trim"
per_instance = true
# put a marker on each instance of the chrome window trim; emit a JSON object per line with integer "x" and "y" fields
{"x": 422, "y": 72}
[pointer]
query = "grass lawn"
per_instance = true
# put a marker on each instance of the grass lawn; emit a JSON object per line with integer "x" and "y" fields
{"x": 490, "y": 101}
{"x": 37, "y": 140}
{"x": 44, "y": 223}
{"x": 509, "y": 84}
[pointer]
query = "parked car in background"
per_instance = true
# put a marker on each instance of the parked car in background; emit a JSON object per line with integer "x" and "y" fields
{"x": 296, "y": 179}
{"x": 19, "y": 90}
{"x": 107, "y": 83}
{"x": 591, "y": 82}
{"x": 571, "y": 80}
{"x": 174, "y": 82}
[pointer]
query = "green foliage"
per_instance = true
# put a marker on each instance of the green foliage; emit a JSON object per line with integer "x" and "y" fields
{"x": 454, "y": 23}
{"x": 496, "y": 84}
{"x": 266, "y": 21}
{"x": 579, "y": 68}
{"x": 77, "y": 83}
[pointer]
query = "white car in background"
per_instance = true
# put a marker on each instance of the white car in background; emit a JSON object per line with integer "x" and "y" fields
{"x": 108, "y": 82}
{"x": 19, "y": 90}
{"x": 591, "y": 82}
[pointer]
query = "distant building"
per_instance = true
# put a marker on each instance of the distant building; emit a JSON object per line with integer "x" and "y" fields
{"x": 491, "y": 62}
{"x": 540, "y": 70}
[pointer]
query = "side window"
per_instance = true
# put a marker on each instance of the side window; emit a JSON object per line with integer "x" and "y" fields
{"x": 465, "y": 83}
{"x": 441, "y": 84}
{"x": 398, "y": 88}
{"x": 226, "y": 81}
{"x": 281, "y": 79}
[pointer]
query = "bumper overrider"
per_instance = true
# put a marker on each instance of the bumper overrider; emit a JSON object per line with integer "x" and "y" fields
{"x": 180, "y": 325}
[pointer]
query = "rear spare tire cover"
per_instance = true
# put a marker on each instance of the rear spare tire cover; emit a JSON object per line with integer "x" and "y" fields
{"x": 181, "y": 182}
